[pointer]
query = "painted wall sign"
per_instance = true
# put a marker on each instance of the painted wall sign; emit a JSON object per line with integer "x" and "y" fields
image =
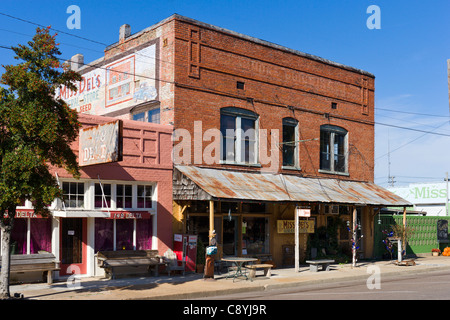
{"x": 25, "y": 213}
{"x": 422, "y": 193}
{"x": 130, "y": 215}
{"x": 288, "y": 226}
{"x": 100, "y": 144}
{"x": 122, "y": 83}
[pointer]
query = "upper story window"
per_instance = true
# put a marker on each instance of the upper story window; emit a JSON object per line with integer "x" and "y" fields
{"x": 73, "y": 194}
{"x": 102, "y": 196}
{"x": 144, "y": 196}
{"x": 239, "y": 137}
{"x": 290, "y": 143}
{"x": 124, "y": 196}
{"x": 110, "y": 195}
{"x": 152, "y": 115}
{"x": 333, "y": 149}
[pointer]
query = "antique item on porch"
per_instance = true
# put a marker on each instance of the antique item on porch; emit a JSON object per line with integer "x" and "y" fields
{"x": 435, "y": 252}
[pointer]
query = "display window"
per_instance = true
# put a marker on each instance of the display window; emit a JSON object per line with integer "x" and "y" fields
{"x": 30, "y": 236}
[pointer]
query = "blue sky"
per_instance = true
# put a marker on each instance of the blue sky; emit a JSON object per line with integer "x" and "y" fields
{"x": 408, "y": 56}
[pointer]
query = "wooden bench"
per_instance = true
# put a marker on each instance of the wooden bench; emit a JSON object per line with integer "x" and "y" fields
{"x": 262, "y": 266}
{"x": 314, "y": 264}
{"x": 39, "y": 262}
{"x": 112, "y": 260}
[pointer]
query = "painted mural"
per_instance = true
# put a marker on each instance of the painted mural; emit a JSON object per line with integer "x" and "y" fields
{"x": 125, "y": 82}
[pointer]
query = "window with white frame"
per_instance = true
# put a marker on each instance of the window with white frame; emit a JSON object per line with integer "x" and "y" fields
{"x": 144, "y": 196}
{"x": 73, "y": 194}
{"x": 333, "y": 149}
{"x": 124, "y": 196}
{"x": 102, "y": 195}
{"x": 239, "y": 135}
{"x": 290, "y": 143}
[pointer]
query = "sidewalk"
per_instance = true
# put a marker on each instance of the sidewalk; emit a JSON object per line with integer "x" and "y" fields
{"x": 193, "y": 285}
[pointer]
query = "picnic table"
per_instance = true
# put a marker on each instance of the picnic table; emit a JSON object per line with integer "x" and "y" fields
{"x": 238, "y": 263}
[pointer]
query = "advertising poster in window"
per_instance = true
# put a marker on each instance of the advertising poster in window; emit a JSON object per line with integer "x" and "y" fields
{"x": 115, "y": 84}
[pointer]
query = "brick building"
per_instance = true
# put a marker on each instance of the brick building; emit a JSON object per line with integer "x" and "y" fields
{"x": 261, "y": 130}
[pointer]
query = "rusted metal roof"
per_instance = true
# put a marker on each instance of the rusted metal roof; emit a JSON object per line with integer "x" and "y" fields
{"x": 227, "y": 184}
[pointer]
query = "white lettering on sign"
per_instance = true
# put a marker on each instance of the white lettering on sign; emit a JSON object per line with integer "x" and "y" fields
{"x": 100, "y": 144}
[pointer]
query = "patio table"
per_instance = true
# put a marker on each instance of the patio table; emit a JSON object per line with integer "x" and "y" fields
{"x": 239, "y": 263}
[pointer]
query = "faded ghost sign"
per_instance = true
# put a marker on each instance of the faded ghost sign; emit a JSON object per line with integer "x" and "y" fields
{"x": 100, "y": 144}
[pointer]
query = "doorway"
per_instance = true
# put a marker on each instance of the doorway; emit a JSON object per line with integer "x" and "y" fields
{"x": 229, "y": 236}
{"x": 73, "y": 246}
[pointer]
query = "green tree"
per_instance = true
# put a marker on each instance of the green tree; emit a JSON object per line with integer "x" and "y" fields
{"x": 36, "y": 129}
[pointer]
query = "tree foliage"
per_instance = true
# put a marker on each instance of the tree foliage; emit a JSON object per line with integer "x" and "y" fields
{"x": 36, "y": 130}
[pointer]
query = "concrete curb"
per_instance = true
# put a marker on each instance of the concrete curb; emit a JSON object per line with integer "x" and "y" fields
{"x": 290, "y": 284}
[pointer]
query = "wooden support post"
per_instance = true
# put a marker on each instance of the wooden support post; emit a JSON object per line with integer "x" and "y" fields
{"x": 354, "y": 226}
{"x": 297, "y": 246}
{"x": 211, "y": 220}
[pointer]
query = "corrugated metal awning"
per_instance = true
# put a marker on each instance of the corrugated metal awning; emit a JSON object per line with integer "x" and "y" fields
{"x": 217, "y": 184}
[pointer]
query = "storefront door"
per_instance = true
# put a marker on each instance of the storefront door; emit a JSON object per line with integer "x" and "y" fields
{"x": 229, "y": 236}
{"x": 73, "y": 246}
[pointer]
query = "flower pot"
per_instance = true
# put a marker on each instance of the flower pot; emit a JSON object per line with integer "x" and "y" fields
{"x": 435, "y": 254}
{"x": 200, "y": 268}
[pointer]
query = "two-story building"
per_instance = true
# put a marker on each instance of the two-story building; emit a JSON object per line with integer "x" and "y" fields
{"x": 122, "y": 201}
{"x": 261, "y": 132}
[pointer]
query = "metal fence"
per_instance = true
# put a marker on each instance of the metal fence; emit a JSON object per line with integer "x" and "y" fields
{"x": 422, "y": 240}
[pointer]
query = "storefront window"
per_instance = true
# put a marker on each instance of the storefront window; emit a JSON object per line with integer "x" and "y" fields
{"x": 19, "y": 237}
{"x": 144, "y": 234}
{"x": 40, "y": 236}
{"x": 255, "y": 235}
{"x": 104, "y": 234}
{"x": 124, "y": 234}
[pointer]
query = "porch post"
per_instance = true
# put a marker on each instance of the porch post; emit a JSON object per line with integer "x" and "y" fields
{"x": 297, "y": 245}
{"x": 211, "y": 220}
{"x": 354, "y": 225}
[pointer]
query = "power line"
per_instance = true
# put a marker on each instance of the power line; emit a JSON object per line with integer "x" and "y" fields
{"x": 415, "y": 113}
{"x": 220, "y": 92}
{"x": 60, "y": 31}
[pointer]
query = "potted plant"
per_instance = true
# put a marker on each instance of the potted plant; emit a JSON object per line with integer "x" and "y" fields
{"x": 200, "y": 256}
{"x": 435, "y": 252}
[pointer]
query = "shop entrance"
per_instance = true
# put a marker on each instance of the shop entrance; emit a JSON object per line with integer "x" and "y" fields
{"x": 229, "y": 236}
{"x": 73, "y": 246}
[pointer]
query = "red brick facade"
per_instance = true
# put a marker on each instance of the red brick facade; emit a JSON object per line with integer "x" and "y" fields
{"x": 200, "y": 64}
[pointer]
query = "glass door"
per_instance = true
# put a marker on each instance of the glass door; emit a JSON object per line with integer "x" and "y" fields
{"x": 229, "y": 236}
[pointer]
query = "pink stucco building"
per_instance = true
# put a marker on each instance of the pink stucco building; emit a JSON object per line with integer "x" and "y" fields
{"x": 126, "y": 204}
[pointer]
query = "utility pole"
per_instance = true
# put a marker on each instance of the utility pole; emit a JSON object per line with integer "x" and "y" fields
{"x": 446, "y": 199}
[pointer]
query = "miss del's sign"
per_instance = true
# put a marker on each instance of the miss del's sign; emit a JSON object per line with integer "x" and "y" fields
{"x": 288, "y": 226}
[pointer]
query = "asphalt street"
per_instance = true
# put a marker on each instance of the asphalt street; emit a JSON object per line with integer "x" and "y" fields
{"x": 430, "y": 286}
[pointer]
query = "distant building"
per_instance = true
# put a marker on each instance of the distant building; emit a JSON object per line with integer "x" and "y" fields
{"x": 426, "y": 197}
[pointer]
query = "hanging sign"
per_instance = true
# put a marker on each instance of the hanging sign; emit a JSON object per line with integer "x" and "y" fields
{"x": 100, "y": 144}
{"x": 303, "y": 212}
